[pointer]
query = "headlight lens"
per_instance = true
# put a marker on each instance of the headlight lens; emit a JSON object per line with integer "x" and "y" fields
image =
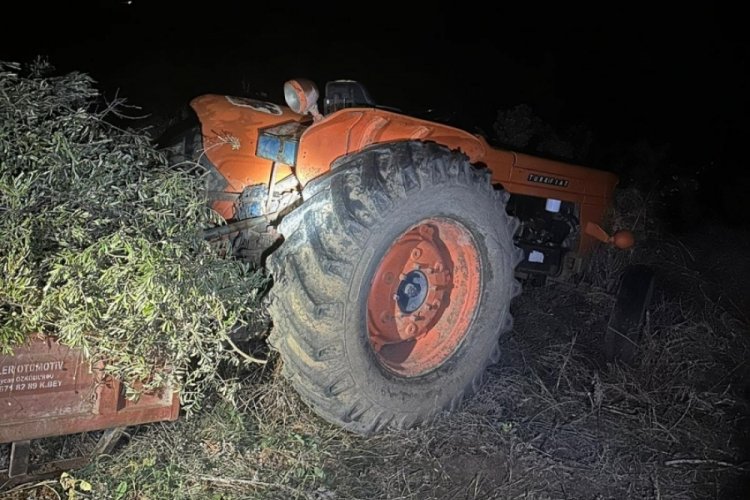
{"x": 291, "y": 97}
{"x": 300, "y": 95}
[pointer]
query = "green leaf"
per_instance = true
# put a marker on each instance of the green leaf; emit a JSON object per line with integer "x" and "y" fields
{"x": 121, "y": 490}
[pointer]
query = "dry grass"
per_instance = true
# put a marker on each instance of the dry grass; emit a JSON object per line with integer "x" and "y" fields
{"x": 552, "y": 421}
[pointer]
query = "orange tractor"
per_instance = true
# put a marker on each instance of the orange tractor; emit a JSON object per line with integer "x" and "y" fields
{"x": 395, "y": 244}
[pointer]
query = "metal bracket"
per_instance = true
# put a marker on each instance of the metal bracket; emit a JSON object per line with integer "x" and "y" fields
{"x": 19, "y": 458}
{"x": 20, "y": 471}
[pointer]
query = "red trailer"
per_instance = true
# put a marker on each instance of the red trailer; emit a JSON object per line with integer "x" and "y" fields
{"x": 48, "y": 389}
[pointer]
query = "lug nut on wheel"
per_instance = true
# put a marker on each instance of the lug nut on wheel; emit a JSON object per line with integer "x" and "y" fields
{"x": 411, "y": 329}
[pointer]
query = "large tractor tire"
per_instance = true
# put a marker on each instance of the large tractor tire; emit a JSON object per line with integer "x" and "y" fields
{"x": 393, "y": 285}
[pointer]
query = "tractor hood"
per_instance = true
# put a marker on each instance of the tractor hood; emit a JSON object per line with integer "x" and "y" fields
{"x": 229, "y": 126}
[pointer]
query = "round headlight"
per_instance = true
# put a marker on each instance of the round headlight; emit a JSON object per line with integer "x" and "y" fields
{"x": 300, "y": 95}
{"x": 291, "y": 97}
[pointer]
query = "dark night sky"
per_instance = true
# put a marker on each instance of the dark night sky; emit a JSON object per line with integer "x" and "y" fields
{"x": 627, "y": 72}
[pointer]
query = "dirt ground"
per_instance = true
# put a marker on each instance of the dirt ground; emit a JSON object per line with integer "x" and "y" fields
{"x": 553, "y": 421}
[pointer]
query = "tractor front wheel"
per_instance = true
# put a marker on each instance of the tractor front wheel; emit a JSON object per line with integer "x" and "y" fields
{"x": 393, "y": 285}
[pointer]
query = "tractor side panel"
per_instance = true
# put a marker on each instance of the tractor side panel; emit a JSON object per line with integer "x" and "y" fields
{"x": 592, "y": 190}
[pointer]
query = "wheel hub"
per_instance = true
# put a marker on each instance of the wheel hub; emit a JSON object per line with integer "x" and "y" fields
{"x": 416, "y": 297}
{"x": 412, "y": 291}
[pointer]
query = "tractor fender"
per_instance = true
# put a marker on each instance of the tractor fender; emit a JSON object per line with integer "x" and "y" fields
{"x": 353, "y": 129}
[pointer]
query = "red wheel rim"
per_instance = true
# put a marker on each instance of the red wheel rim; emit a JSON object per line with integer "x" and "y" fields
{"x": 423, "y": 296}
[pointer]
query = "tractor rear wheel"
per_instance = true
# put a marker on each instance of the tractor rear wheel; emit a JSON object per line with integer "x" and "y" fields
{"x": 393, "y": 285}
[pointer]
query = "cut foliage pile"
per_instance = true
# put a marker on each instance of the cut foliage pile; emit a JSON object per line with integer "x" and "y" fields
{"x": 101, "y": 241}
